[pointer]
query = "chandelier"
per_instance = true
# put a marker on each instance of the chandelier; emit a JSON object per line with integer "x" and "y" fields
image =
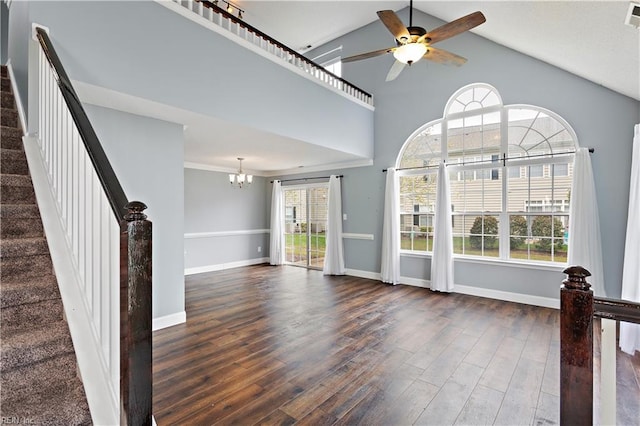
{"x": 241, "y": 177}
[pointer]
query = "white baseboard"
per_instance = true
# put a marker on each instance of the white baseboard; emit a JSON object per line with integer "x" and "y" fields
{"x": 363, "y": 274}
{"x": 169, "y": 320}
{"x": 506, "y": 296}
{"x": 527, "y": 299}
{"x": 223, "y": 266}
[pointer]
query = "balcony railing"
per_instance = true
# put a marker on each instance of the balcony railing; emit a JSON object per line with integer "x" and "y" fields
{"x": 212, "y": 13}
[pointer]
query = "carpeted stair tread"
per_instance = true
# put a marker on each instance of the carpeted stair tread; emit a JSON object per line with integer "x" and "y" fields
{"x": 5, "y": 84}
{"x": 20, "y": 292}
{"x": 31, "y": 316}
{"x": 13, "y": 161}
{"x": 48, "y": 392}
{"x": 20, "y": 247}
{"x": 7, "y": 101}
{"x": 24, "y": 348}
{"x": 3, "y": 71}
{"x": 11, "y": 137}
{"x": 25, "y": 267}
{"x": 20, "y": 221}
{"x": 9, "y": 117}
{"x": 16, "y": 189}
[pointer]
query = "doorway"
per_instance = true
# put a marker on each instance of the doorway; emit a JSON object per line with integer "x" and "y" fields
{"x": 305, "y": 224}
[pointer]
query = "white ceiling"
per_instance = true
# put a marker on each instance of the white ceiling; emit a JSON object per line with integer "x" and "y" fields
{"x": 586, "y": 38}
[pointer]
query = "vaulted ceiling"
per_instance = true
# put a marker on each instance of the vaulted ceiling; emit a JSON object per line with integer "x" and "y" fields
{"x": 586, "y": 38}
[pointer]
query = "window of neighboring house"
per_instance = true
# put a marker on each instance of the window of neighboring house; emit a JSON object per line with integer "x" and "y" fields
{"x": 510, "y": 176}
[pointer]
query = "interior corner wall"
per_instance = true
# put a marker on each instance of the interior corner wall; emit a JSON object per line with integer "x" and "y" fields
{"x": 602, "y": 119}
{"x": 4, "y": 32}
{"x": 147, "y": 156}
{"x": 225, "y": 226}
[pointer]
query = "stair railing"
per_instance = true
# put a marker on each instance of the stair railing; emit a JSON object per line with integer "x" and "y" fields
{"x": 578, "y": 308}
{"x": 109, "y": 239}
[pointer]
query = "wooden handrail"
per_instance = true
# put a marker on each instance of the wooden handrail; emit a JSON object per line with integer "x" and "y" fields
{"x": 616, "y": 309}
{"x": 135, "y": 260}
{"x": 115, "y": 194}
{"x": 271, "y": 40}
{"x": 578, "y": 307}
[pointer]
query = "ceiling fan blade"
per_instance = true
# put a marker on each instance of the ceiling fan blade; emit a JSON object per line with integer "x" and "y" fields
{"x": 394, "y": 25}
{"x": 395, "y": 70}
{"x": 443, "y": 57}
{"x": 368, "y": 55}
{"x": 453, "y": 28}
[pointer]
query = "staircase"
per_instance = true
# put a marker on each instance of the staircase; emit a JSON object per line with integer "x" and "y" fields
{"x": 38, "y": 376}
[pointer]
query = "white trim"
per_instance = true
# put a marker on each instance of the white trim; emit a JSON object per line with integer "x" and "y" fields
{"x": 363, "y": 274}
{"x": 512, "y": 263}
{"x": 226, "y": 233}
{"x": 223, "y": 266}
{"x": 169, "y": 320}
{"x": 192, "y": 16}
{"x": 95, "y": 375}
{"x": 16, "y": 96}
{"x": 284, "y": 172}
{"x": 354, "y": 236}
{"x": 212, "y": 168}
{"x": 321, "y": 168}
{"x": 34, "y": 34}
{"x": 526, "y": 299}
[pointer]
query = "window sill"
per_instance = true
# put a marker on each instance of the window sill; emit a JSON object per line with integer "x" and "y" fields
{"x": 547, "y": 266}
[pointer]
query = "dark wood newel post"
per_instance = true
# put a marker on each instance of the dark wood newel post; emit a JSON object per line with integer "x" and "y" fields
{"x": 135, "y": 316}
{"x": 576, "y": 348}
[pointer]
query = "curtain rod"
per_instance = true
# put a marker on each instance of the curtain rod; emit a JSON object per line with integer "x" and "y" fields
{"x": 503, "y": 159}
{"x": 307, "y": 178}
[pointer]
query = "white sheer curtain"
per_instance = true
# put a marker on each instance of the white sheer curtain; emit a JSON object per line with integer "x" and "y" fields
{"x": 585, "y": 244}
{"x": 390, "y": 268}
{"x": 442, "y": 259}
{"x": 276, "y": 247}
{"x": 334, "y": 252}
{"x": 630, "y": 333}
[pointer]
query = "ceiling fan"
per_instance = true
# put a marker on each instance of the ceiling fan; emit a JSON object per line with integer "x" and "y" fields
{"x": 415, "y": 43}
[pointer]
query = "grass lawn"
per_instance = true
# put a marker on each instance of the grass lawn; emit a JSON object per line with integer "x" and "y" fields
{"x": 420, "y": 244}
{"x": 296, "y": 246}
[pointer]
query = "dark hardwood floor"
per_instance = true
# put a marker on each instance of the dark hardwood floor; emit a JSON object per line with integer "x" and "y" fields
{"x": 286, "y": 345}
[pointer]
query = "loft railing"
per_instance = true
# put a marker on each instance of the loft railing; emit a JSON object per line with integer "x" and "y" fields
{"x": 107, "y": 236}
{"x": 578, "y": 308}
{"x": 213, "y": 13}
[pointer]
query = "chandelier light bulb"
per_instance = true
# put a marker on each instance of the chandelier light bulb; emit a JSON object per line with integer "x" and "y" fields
{"x": 410, "y": 53}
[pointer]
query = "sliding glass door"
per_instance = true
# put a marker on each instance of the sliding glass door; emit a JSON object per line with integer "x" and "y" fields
{"x": 305, "y": 224}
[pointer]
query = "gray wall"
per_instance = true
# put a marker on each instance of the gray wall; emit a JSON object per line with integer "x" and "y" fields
{"x": 143, "y": 49}
{"x": 211, "y": 204}
{"x": 4, "y": 32}
{"x": 147, "y": 156}
{"x": 601, "y": 118}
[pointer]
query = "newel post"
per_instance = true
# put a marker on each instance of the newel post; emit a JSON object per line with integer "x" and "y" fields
{"x": 576, "y": 348}
{"x": 135, "y": 317}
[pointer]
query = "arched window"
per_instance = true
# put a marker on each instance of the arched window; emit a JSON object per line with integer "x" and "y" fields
{"x": 510, "y": 169}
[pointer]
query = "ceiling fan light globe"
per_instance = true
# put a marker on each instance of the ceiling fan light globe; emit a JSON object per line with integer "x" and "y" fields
{"x": 410, "y": 53}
